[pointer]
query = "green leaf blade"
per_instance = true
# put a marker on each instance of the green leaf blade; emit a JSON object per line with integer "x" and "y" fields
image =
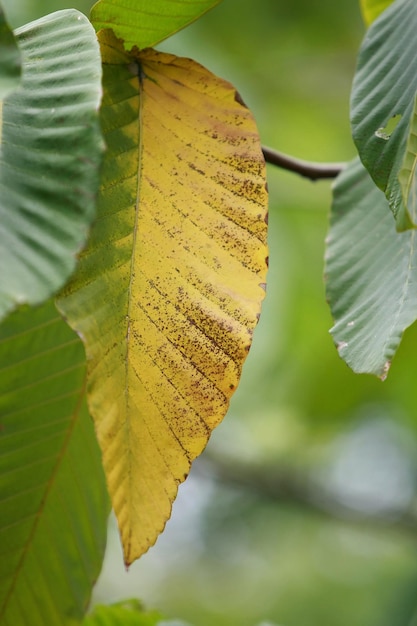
{"x": 53, "y": 498}
{"x": 10, "y": 60}
{"x": 384, "y": 91}
{"x": 142, "y": 24}
{"x": 371, "y": 270}
{"x": 128, "y": 613}
{"x": 49, "y": 158}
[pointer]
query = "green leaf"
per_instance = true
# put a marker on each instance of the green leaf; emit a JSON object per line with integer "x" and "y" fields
{"x": 129, "y": 613}
{"x": 168, "y": 293}
{"x": 53, "y": 498}
{"x": 49, "y": 158}
{"x": 371, "y": 274}
{"x": 10, "y": 61}
{"x": 372, "y": 8}
{"x": 143, "y": 24}
{"x": 383, "y": 102}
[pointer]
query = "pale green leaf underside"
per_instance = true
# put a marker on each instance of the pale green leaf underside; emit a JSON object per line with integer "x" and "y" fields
{"x": 142, "y": 23}
{"x": 10, "y": 62}
{"x": 49, "y": 158}
{"x": 383, "y": 97}
{"x": 53, "y": 499}
{"x": 371, "y": 274}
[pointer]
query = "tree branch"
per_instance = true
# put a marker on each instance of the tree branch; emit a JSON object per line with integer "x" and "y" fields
{"x": 282, "y": 484}
{"x": 308, "y": 169}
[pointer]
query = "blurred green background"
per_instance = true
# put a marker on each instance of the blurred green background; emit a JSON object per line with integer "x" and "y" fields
{"x": 303, "y": 510}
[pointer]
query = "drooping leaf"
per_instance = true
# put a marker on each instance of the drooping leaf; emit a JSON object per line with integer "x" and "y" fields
{"x": 169, "y": 291}
{"x": 383, "y": 103}
{"x": 128, "y": 613}
{"x": 143, "y": 24}
{"x": 371, "y": 274}
{"x": 49, "y": 158}
{"x": 53, "y": 498}
{"x": 372, "y": 8}
{"x": 10, "y": 62}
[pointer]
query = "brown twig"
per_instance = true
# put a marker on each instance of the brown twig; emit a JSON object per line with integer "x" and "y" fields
{"x": 308, "y": 169}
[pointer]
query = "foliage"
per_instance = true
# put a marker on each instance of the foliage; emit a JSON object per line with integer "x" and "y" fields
{"x": 370, "y": 284}
{"x": 54, "y": 497}
{"x": 166, "y": 232}
{"x": 383, "y": 102}
{"x": 167, "y": 312}
{"x": 122, "y": 614}
{"x": 385, "y": 137}
{"x": 138, "y": 27}
{"x": 48, "y": 195}
{"x": 128, "y": 613}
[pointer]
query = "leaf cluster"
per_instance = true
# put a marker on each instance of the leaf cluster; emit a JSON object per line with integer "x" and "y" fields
{"x": 133, "y": 240}
{"x": 370, "y": 256}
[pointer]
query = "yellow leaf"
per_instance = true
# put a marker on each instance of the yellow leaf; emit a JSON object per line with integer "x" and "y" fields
{"x": 168, "y": 293}
{"x": 372, "y": 8}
